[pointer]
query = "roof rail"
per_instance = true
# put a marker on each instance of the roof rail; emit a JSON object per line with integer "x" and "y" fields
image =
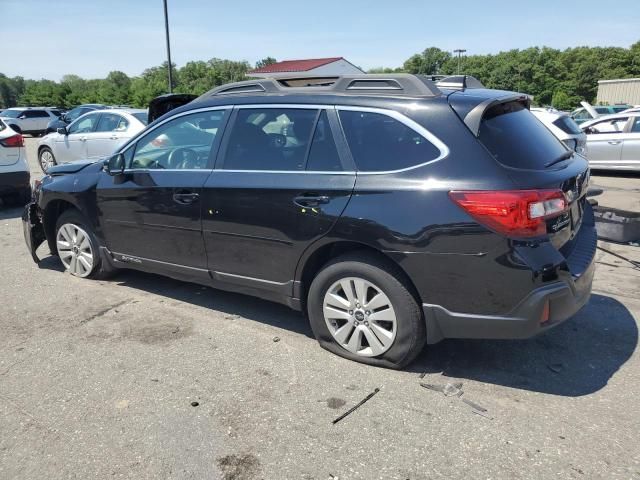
{"x": 459, "y": 82}
{"x": 402, "y": 84}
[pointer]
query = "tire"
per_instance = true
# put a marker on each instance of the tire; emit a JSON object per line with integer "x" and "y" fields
{"x": 393, "y": 339}
{"x": 47, "y": 162}
{"x": 74, "y": 239}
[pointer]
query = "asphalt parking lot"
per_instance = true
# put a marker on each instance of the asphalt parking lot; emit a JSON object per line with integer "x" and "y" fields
{"x": 98, "y": 380}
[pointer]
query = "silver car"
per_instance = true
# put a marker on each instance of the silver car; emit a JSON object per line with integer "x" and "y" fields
{"x": 563, "y": 127}
{"x": 93, "y": 135}
{"x": 613, "y": 141}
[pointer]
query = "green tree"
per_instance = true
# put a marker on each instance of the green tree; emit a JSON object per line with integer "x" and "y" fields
{"x": 428, "y": 62}
{"x": 265, "y": 61}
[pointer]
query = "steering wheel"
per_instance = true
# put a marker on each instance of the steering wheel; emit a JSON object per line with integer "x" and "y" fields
{"x": 183, "y": 157}
{"x": 277, "y": 140}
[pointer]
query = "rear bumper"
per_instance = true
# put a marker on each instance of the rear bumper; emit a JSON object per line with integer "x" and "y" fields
{"x": 564, "y": 297}
{"x": 14, "y": 182}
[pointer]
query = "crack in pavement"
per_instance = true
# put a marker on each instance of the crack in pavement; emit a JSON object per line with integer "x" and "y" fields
{"x": 103, "y": 312}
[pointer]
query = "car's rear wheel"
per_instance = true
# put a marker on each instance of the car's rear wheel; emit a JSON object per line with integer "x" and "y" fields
{"x": 361, "y": 307}
{"x": 46, "y": 159}
{"x": 77, "y": 246}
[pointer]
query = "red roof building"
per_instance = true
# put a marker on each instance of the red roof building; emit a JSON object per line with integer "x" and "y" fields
{"x": 307, "y": 67}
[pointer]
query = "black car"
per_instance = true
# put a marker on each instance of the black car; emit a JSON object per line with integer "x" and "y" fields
{"x": 392, "y": 211}
{"x": 66, "y": 118}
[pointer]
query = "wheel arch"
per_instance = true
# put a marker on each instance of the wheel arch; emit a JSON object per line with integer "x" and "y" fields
{"x": 50, "y": 214}
{"x": 314, "y": 260}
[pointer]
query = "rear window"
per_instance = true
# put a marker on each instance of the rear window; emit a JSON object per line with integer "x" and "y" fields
{"x": 517, "y": 139}
{"x": 381, "y": 143}
{"x": 143, "y": 117}
{"x": 567, "y": 125}
{"x": 12, "y": 113}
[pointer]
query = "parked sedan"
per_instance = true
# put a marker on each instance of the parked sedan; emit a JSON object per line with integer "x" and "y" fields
{"x": 70, "y": 116}
{"x": 93, "y": 135}
{"x": 613, "y": 142}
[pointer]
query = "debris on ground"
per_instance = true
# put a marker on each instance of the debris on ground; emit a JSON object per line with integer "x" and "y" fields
{"x": 276, "y": 339}
{"x": 356, "y": 406}
{"x": 194, "y": 404}
{"x": 448, "y": 390}
{"x": 482, "y": 414}
{"x": 474, "y": 405}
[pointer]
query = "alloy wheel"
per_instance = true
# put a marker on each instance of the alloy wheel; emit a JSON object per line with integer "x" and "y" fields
{"x": 46, "y": 160}
{"x": 74, "y": 249}
{"x": 360, "y": 316}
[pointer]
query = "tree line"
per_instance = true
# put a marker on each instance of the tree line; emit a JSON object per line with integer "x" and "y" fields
{"x": 559, "y": 78}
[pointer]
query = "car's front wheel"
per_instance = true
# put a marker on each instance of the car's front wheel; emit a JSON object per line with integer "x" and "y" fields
{"x": 46, "y": 159}
{"x": 361, "y": 307}
{"x": 77, "y": 246}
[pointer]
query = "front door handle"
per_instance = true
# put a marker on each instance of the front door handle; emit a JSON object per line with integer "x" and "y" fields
{"x": 185, "y": 198}
{"x": 614, "y": 142}
{"x": 311, "y": 201}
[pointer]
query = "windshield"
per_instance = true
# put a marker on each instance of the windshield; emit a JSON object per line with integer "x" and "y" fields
{"x": 12, "y": 113}
{"x": 142, "y": 116}
{"x": 517, "y": 139}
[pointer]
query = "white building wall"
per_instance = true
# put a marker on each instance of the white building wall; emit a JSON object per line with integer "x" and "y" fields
{"x": 626, "y": 90}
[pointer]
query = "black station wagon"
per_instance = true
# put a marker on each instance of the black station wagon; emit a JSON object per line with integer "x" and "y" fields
{"x": 393, "y": 210}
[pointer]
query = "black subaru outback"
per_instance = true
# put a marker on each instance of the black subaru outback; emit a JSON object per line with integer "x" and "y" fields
{"x": 392, "y": 210}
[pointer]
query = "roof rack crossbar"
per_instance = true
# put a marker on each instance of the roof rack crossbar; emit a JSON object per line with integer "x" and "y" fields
{"x": 403, "y": 84}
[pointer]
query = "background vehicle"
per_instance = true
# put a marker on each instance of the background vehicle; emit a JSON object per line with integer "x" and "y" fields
{"x": 14, "y": 170}
{"x": 70, "y": 116}
{"x": 589, "y": 112}
{"x": 300, "y": 194}
{"x": 613, "y": 141}
{"x": 93, "y": 135}
{"x": 563, "y": 127}
{"x": 31, "y": 120}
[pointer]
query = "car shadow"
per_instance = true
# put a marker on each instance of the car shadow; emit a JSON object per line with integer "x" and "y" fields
{"x": 8, "y": 212}
{"x": 228, "y": 303}
{"x": 576, "y": 358}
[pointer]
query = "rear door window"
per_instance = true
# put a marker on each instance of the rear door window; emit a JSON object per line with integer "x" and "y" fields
{"x": 274, "y": 139}
{"x": 36, "y": 114}
{"x": 323, "y": 155}
{"x": 379, "y": 142}
{"x": 517, "y": 139}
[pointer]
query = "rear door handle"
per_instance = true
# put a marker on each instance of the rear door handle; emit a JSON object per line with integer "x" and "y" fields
{"x": 614, "y": 142}
{"x": 311, "y": 201}
{"x": 185, "y": 198}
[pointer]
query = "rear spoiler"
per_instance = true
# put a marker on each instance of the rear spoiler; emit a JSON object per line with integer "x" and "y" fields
{"x": 471, "y": 109}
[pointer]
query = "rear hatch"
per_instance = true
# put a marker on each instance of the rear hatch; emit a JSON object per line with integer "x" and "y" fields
{"x": 531, "y": 155}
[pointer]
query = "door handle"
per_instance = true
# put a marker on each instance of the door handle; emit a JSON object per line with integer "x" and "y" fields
{"x": 185, "y": 198}
{"x": 311, "y": 201}
{"x": 614, "y": 142}
{"x": 83, "y": 139}
{"x": 114, "y": 137}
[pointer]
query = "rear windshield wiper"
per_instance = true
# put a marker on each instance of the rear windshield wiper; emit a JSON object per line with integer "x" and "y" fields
{"x": 564, "y": 156}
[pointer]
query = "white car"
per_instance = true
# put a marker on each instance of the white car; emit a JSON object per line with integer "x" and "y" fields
{"x": 563, "y": 127}
{"x": 14, "y": 170}
{"x": 31, "y": 120}
{"x": 613, "y": 141}
{"x": 93, "y": 135}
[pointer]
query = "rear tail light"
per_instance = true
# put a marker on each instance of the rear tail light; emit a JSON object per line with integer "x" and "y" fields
{"x": 13, "y": 141}
{"x": 514, "y": 213}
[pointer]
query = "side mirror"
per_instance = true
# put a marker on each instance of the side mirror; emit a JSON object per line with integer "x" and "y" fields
{"x": 115, "y": 164}
{"x": 62, "y": 131}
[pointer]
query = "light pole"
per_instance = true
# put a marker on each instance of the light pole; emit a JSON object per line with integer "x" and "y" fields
{"x": 459, "y": 51}
{"x": 166, "y": 29}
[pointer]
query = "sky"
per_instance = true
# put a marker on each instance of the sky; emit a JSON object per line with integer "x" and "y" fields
{"x": 51, "y": 38}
